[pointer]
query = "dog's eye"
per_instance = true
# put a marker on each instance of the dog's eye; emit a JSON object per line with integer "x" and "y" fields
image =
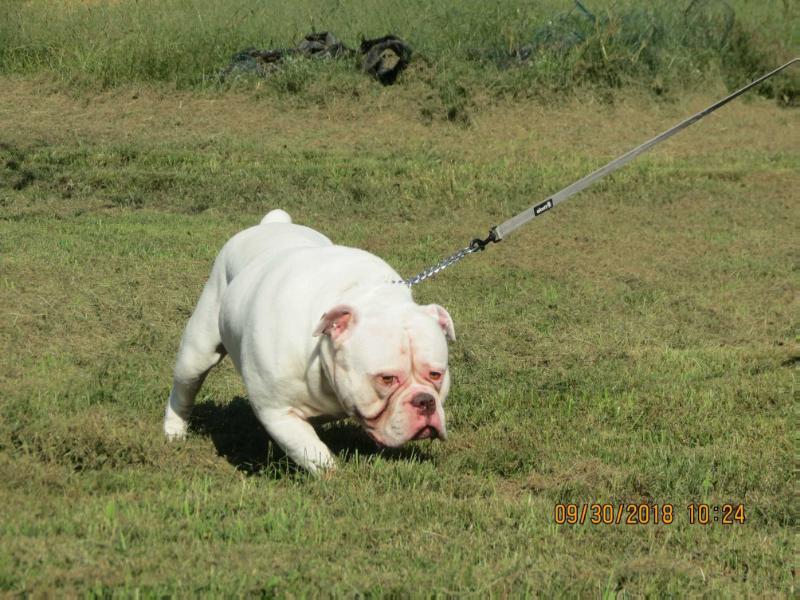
{"x": 387, "y": 379}
{"x": 434, "y": 375}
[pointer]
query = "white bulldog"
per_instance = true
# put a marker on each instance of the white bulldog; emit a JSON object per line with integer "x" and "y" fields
{"x": 315, "y": 330}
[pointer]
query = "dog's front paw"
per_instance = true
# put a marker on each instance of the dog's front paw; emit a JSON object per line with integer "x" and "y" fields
{"x": 175, "y": 426}
{"x": 324, "y": 468}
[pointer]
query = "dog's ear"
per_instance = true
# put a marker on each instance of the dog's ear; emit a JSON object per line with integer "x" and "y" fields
{"x": 444, "y": 319}
{"x": 336, "y": 322}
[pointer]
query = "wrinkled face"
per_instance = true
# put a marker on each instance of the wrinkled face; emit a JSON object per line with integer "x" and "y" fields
{"x": 389, "y": 369}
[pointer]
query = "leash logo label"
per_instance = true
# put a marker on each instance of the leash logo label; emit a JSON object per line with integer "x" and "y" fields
{"x": 543, "y": 207}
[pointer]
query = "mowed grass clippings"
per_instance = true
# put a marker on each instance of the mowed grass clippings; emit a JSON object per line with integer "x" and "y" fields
{"x": 638, "y": 344}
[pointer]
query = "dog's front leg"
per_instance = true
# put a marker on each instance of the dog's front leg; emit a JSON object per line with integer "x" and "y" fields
{"x": 297, "y": 438}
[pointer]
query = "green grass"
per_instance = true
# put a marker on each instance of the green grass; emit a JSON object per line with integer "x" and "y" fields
{"x": 638, "y": 344}
{"x": 462, "y": 49}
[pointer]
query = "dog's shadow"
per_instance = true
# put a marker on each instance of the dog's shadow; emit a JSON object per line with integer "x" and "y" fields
{"x": 239, "y": 438}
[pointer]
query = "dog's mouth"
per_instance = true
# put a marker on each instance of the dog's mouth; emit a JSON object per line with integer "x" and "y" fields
{"x": 427, "y": 432}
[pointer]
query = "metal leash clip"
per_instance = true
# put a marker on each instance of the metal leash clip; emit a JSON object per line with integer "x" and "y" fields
{"x": 480, "y": 244}
{"x": 475, "y": 245}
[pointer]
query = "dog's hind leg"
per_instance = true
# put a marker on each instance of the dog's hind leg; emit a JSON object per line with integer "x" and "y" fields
{"x": 201, "y": 349}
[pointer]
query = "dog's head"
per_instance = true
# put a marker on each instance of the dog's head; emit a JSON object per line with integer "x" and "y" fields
{"x": 388, "y": 366}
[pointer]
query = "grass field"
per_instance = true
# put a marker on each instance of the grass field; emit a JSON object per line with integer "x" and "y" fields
{"x": 463, "y": 49}
{"x": 638, "y": 344}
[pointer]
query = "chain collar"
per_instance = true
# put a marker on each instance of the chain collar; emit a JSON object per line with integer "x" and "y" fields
{"x": 475, "y": 246}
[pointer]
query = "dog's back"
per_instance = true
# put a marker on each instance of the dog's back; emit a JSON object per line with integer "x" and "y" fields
{"x": 275, "y": 232}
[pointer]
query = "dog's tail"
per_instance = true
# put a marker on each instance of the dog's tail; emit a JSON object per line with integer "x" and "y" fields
{"x": 276, "y": 216}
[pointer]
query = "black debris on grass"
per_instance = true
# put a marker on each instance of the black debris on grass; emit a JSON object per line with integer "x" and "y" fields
{"x": 382, "y": 58}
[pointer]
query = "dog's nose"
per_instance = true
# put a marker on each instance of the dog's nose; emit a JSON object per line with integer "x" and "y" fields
{"x": 424, "y": 403}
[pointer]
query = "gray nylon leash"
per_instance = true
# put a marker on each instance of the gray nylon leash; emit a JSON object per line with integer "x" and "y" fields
{"x": 499, "y": 232}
